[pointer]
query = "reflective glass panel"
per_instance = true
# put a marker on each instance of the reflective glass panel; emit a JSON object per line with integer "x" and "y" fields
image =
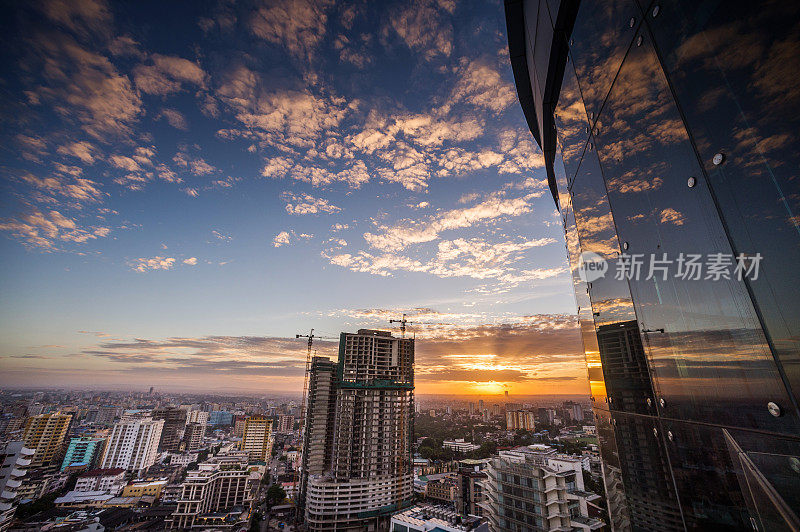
{"x": 734, "y": 67}
{"x": 707, "y": 350}
{"x": 600, "y": 37}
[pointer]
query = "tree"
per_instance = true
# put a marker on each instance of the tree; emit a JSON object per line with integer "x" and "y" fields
{"x": 275, "y": 495}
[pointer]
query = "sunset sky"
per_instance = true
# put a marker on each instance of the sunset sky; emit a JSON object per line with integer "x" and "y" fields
{"x": 186, "y": 186}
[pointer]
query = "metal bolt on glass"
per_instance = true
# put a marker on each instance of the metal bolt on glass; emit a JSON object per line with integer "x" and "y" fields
{"x": 639, "y": 40}
{"x": 691, "y": 182}
{"x": 656, "y": 11}
{"x": 662, "y": 402}
{"x": 649, "y": 402}
{"x": 774, "y": 409}
{"x": 669, "y": 435}
{"x": 625, "y": 245}
{"x": 718, "y": 159}
{"x": 632, "y": 22}
{"x": 655, "y": 432}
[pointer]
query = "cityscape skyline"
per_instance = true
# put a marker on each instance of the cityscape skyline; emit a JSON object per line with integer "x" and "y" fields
{"x": 179, "y": 203}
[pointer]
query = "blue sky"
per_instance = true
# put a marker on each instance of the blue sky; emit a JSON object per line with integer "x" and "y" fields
{"x": 187, "y": 185}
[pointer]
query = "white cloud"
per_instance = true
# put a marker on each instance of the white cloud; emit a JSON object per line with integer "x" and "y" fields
{"x": 300, "y": 204}
{"x": 285, "y": 238}
{"x": 191, "y": 261}
{"x": 167, "y": 74}
{"x": 175, "y": 119}
{"x": 297, "y": 25}
{"x": 143, "y": 265}
{"x": 410, "y": 232}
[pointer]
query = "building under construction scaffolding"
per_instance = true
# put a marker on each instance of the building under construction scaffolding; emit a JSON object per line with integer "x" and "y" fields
{"x": 356, "y": 465}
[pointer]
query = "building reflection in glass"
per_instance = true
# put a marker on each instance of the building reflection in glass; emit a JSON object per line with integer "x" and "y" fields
{"x": 671, "y": 128}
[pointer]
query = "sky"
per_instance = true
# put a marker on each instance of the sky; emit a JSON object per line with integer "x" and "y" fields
{"x": 187, "y": 185}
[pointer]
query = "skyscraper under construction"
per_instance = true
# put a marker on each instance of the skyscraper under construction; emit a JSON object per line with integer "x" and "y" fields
{"x": 356, "y": 464}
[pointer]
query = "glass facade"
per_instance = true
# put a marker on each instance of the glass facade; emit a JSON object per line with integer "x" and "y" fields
{"x": 670, "y": 131}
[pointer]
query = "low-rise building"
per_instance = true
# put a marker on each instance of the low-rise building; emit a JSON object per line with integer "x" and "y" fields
{"x": 83, "y": 499}
{"x": 144, "y": 488}
{"x": 442, "y": 489}
{"x": 213, "y": 491}
{"x": 430, "y": 518}
{"x": 106, "y": 480}
{"x": 460, "y": 445}
{"x": 182, "y": 459}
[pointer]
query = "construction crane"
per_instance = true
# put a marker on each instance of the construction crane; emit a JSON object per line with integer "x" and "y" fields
{"x": 311, "y": 336}
{"x": 404, "y": 321}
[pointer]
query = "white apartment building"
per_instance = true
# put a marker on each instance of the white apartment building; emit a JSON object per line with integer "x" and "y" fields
{"x": 14, "y": 461}
{"x": 106, "y": 480}
{"x": 133, "y": 443}
{"x": 460, "y": 445}
{"x": 212, "y": 490}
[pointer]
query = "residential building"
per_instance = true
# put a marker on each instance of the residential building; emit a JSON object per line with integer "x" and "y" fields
{"x": 285, "y": 424}
{"x": 368, "y": 473}
{"x": 238, "y": 425}
{"x": 15, "y": 459}
{"x": 84, "y": 450}
{"x": 83, "y": 499}
{"x": 647, "y": 123}
{"x": 45, "y": 434}
{"x": 174, "y": 423}
{"x": 144, "y": 488}
{"x": 102, "y": 415}
{"x": 197, "y": 416}
{"x": 470, "y": 487}
{"x": 460, "y": 445}
{"x": 257, "y": 439}
{"x": 520, "y": 420}
{"x": 220, "y": 417}
{"x": 133, "y": 443}
{"x": 193, "y": 436}
{"x": 106, "y": 480}
{"x": 182, "y": 459}
{"x": 431, "y": 518}
{"x": 444, "y": 489}
{"x": 523, "y": 493}
{"x": 212, "y": 492}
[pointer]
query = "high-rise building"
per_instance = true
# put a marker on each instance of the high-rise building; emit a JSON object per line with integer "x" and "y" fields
{"x": 238, "y": 425}
{"x": 84, "y": 450}
{"x": 357, "y": 436}
{"x": 193, "y": 436}
{"x": 317, "y": 449}
{"x": 285, "y": 424}
{"x": 197, "y": 416}
{"x": 669, "y": 153}
{"x": 257, "y": 438}
{"x": 133, "y": 443}
{"x": 15, "y": 459}
{"x": 520, "y": 420}
{"x": 45, "y": 434}
{"x": 174, "y": 423}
